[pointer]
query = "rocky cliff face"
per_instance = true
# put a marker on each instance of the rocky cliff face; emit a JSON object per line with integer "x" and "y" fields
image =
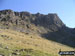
{"x": 50, "y": 21}
{"x": 48, "y": 26}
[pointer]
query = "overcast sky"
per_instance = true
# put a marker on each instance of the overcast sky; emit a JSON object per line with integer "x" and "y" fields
{"x": 64, "y": 8}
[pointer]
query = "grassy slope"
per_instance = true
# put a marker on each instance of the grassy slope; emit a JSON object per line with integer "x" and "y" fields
{"x": 17, "y": 40}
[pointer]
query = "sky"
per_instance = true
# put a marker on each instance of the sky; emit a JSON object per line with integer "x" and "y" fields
{"x": 64, "y": 8}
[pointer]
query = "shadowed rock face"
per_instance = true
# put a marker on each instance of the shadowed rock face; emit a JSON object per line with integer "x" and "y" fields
{"x": 50, "y": 21}
{"x": 48, "y": 26}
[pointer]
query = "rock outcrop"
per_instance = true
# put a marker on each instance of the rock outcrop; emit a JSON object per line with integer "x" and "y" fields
{"x": 48, "y": 26}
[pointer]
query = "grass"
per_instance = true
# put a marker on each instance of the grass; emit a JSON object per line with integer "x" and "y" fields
{"x": 16, "y": 40}
{"x": 23, "y": 53}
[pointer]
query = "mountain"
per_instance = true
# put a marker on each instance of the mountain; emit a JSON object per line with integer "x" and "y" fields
{"x": 39, "y": 31}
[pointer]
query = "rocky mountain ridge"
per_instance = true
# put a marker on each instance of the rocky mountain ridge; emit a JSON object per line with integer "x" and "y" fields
{"x": 48, "y": 26}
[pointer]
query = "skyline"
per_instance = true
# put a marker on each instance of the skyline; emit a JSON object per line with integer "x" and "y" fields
{"x": 64, "y": 8}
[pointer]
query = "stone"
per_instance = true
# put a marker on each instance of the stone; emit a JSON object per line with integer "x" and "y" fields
{"x": 6, "y": 47}
{"x": 2, "y": 55}
{"x": 16, "y": 53}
